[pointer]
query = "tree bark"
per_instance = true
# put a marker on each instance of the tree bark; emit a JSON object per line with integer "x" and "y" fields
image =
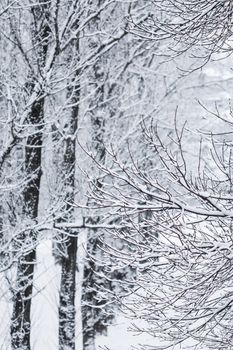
{"x": 27, "y": 241}
{"x": 88, "y": 296}
{"x": 93, "y": 319}
{"x": 21, "y": 322}
{"x": 68, "y": 259}
{"x": 67, "y": 296}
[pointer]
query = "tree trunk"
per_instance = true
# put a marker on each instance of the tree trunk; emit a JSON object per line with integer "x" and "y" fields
{"x": 88, "y": 296}
{"x": 93, "y": 319}
{"x": 21, "y": 322}
{"x": 68, "y": 248}
{"x": 67, "y": 296}
{"x": 27, "y": 241}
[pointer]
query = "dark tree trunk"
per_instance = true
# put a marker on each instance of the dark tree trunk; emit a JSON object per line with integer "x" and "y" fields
{"x": 93, "y": 319}
{"x": 21, "y": 321}
{"x": 67, "y": 296}
{"x": 68, "y": 262}
{"x": 68, "y": 248}
{"x": 21, "y": 315}
{"x": 68, "y": 259}
{"x": 89, "y": 294}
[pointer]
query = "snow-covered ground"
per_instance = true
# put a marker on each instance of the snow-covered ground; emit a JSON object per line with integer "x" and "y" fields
{"x": 45, "y": 306}
{"x": 45, "y": 313}
{"x": 45, "y": 300}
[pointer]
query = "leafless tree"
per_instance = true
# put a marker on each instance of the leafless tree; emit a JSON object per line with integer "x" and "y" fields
{"x": 198, "y": 24}
{"x": 183, "y": 249}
